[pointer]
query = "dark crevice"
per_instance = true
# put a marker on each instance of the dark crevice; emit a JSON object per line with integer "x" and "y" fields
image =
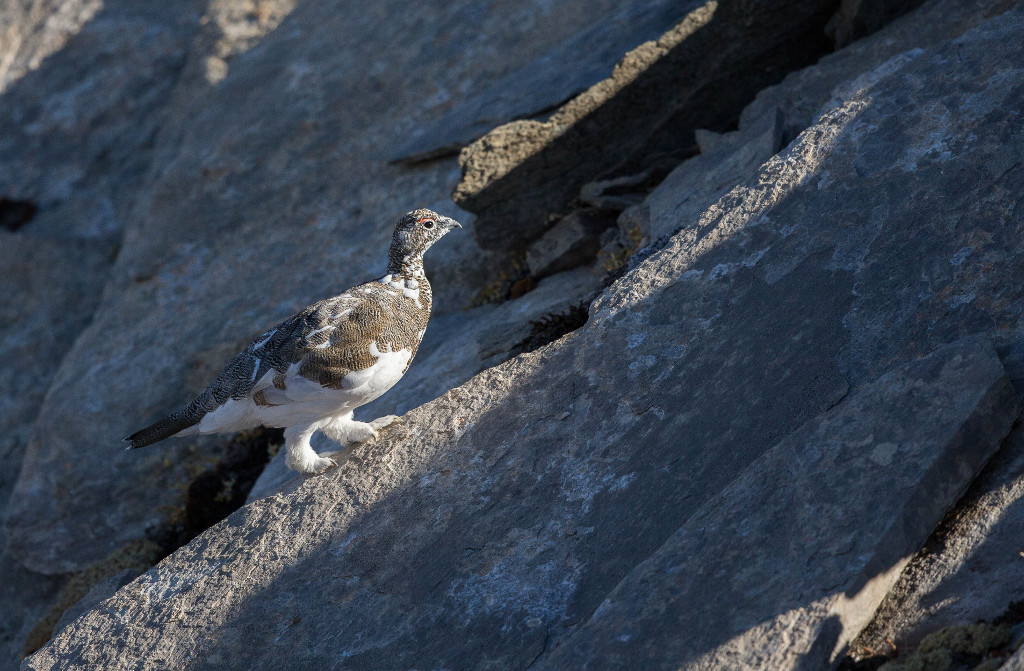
{"x": 15, "y": 213}
{"x": 551, "y": 327}
{"x": 221, "y": 490}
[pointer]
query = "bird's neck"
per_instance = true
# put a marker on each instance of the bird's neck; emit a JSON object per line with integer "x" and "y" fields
{"x": 406, "y": 266}
{"x": 409, "y": 278}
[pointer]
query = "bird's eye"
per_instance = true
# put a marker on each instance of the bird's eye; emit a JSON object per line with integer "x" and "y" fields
{"x": 429, "y": 223}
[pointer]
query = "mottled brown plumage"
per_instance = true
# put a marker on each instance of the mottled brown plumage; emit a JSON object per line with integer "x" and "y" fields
{"x": 311, "y": 370}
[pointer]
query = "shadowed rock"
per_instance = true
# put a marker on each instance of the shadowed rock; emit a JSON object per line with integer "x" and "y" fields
{"x": 699, "y": 74}
{"x": 571, "y": 242}
{"x": 784, "y": 566}
{"x": 969, "y": 571}
{"x": 858, "y": 18}
{"x": 559, "y": 74}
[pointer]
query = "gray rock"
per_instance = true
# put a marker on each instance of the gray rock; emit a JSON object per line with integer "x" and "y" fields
{"x": 268, "y": 190}
{"x": 970, "y": 571}
{"x": 506, "y": 511}
{"x": 697, "y": 183}
{"x": 103, "y": 589}
{"x": 50, "y": 289}
{"x": 707, "y": 140}
{"x": 78, "y": 126}
{"x": 617, "y": 193}
{"x": 783, "y": 567}
{"x": 699, "y": 74}
{"x": 803, "y": 95}
{"x": 572, "y": 242}
{"x": 548, "y": 81}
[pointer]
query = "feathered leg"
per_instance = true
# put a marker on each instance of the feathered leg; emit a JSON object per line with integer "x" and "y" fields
{"x": 301, "y": 456}
{"x": 344, "y": 429}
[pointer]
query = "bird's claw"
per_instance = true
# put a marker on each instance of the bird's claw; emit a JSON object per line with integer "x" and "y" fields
{"x": 324, "y": 464}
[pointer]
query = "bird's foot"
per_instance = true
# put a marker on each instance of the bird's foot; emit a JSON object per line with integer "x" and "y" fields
{"x": 312, "y": 466}
{"x": 360, "y": 432}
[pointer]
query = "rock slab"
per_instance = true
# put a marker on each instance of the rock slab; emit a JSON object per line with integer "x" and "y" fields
{"x": 968, "y": 572}
{"x": 547, "y": 81}
{"x": 221, "y": 228}
{"x": 699, "y": 74}
{"x": 783, "y": 567}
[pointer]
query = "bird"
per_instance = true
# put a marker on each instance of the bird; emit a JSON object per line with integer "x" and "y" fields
{"x": 309, "y": 372}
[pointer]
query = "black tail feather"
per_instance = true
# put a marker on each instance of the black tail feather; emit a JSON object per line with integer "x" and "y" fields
{"x": 165, "y": 428}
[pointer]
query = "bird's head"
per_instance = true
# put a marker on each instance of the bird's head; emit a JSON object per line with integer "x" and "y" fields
{"x": 415, "y": 232}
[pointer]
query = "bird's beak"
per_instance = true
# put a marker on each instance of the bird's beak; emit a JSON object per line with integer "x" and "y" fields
{"x": 452, "y": 224}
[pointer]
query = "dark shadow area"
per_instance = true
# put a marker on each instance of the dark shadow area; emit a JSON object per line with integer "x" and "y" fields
{"x": 551, "y": 327}
{"x": 221, "y": 490}
{"x": 702, "y": 82}
{"x": 16, "y": 213}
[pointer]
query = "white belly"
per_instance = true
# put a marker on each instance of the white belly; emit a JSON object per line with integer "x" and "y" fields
{"x": 305, "y": 401}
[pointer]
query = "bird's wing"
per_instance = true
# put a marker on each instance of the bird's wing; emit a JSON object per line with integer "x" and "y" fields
{"x": 321, "y": 346}
{"x": 268, "y": 362}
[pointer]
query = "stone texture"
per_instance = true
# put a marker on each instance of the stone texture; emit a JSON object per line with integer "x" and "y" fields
{"x": 806, "y": 93}
{"x": 699, "y": 74}
{"x": 696, "y": 184}
{"x": 787, "y": 563}
{"x": 269, "y": 190}
{"x": 971, "y": 570}
{"x": 102, "y": 590}
{"x": 507, "y": 510}
{"x": 571, "y": 242}
{"x": 546, "y": 82}
{"x": 49, "y": 292}
{"x": 78, "y": 126}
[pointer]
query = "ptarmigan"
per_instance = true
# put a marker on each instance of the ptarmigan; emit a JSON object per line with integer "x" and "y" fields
{"x": 310, "y": 371}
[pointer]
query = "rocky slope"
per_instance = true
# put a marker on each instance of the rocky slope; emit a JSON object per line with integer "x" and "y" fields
{"x": 806, "y": 358}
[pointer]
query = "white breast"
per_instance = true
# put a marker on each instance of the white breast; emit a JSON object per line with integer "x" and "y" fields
{"x": 371, "y": 382}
